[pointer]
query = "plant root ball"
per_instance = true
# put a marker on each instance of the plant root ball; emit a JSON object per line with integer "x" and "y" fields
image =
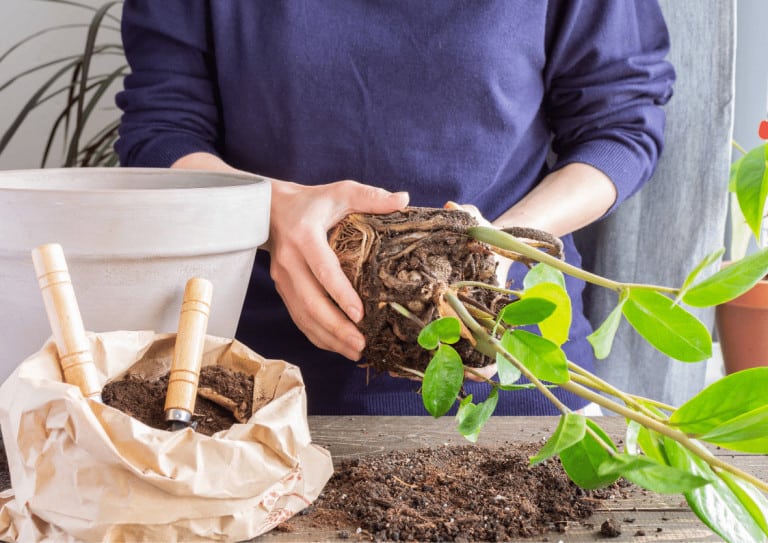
{"x": 410, "y": 258}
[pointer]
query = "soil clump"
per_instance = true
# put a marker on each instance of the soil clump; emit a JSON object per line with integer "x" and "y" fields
{"x": 144, "y": 399}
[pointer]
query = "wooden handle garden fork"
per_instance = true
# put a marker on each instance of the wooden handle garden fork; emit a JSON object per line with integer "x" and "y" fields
{"x": 188, "y": 353}
{"x": 73, "y": 346}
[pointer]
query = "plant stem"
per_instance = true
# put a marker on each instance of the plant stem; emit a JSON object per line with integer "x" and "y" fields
{"x": 478, "y": 330}
{"x": 508, "y": 242}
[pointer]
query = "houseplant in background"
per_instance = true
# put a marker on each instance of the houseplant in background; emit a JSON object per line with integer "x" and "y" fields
{"x": 82, "y": 81}
{"x": 742, "y": 322}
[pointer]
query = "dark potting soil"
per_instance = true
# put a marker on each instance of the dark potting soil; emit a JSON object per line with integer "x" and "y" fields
{"x": 451, "y": 493}
{"x": 5, "y": 474}
{"x": 144, "y": 399}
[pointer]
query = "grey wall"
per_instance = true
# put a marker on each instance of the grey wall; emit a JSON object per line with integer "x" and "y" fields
{"x": 751, "y": 70}
{"x": 19, "y": 19}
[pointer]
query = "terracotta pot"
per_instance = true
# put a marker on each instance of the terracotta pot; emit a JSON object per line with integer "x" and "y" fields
{"x": 132, "y": 238}
{"x": 742, "y": 328}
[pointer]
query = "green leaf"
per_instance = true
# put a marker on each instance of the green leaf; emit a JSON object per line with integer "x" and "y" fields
{"x": 442, "y": 381}
{"x": 707, "y": 261}
{"x": 557, "y": 326}
{"x": 570, "y": 430}
{"x": 602, "y": 338}
{"x": 543, "y": 273}
{"x": 472, "y": 417}
{"x": 751, "y": 498}
{"x": 543, "y": 358}
{"x": 666, "y": 326}
{"x": 528, "y": 310}
{"x": 582, "y": 461}
{"x": 730, "y": 282}
{"x": 442, "y": 330}
{"x": 751, "y": 186}
{"x": 731, "y": 412}
{"x": 716, "y": 504}
{"x": 651, "y": 474}
{"x": 507, "y": 371}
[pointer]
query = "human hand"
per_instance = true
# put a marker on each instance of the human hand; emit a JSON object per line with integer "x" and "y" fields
{"x": 306, "y": 271}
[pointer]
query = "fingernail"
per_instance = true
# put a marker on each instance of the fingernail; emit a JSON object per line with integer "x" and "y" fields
{"x": 354, "y": 313}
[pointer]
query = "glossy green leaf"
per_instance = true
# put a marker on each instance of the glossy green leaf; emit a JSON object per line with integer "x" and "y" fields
{"x": 651, "y": 474}
{"x": 639, "y": 438}
{"x": 750, "y": 497}
{"x": 751, "y": 186}
{"x": 570, "y": 430}
{"x": 442, "y": 381}
{"x": 582, "y": 461}
{"x": 528, "y": 310}
{"x": 557, "y": 326}
{"x": 543, "y": 358}
{"x": 731, "y": 412}
{"x": 507, "y": 371}
{"x": 707, "y": 261}
{"x": 730, "y": 282}
{"x": 442, "y": 330}
{"x": 716, "y": 504}
{"x": 543, "y": 273}
{"x": 472, "y": 417}
{"x": 602, "y": 338}
{"x": 666, "y": 326}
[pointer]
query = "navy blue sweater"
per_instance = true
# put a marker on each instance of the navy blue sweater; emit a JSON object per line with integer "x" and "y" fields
{"x": 448, "y": 100}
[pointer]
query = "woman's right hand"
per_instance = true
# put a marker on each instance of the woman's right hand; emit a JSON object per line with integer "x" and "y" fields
{"x": 306, "y": 271}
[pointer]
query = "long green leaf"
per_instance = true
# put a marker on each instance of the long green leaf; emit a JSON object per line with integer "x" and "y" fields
{"x": 730, "y": 282}
{"x": 472, "y": 417}
{"x": 507, "y": 371}
{"x": 666, "y": 326}
{"x": 602, "y": 338}
{"x": 543, "y": 358}
{"x": 731, "y": 412}
{"x": 752, "y": 187}
{"x": 651, "y": 474}
{"x": 716, "y": 504}
{"x": 557, "y": 326}
{"x": 708, "y": 260}
{"x": 570, "y": 430}
{"x": 582, "y": 460}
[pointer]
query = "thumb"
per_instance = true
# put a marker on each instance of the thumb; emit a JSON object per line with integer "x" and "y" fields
{"x": 378, "y": 200}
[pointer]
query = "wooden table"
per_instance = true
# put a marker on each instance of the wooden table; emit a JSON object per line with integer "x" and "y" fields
{"x": 349, "y": 437}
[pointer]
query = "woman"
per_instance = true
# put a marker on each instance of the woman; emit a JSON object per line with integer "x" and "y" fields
{"x": 420, "y": 102}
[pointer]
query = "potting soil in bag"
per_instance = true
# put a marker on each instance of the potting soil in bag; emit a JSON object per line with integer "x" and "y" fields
{"x": 86, "y": 471}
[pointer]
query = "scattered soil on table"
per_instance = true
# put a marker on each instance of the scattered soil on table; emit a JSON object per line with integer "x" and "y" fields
{"x": 409, "y": 258}
{"x": 450, "y": 493}
{"x": 145, "y": 399}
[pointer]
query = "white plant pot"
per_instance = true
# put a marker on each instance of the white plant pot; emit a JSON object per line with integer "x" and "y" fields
{"x": 132, "y": 238}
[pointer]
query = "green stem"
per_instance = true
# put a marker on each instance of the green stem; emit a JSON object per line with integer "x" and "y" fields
{"x": 479, "y": 332}
{"x": 508, "y": 242}
{"x": 583, "y": 377}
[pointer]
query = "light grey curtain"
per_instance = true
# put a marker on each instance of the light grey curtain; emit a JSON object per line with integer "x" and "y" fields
{"x": 662, "y": 232}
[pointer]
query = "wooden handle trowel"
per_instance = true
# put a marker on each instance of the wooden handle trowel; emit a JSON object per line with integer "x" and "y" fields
{"x": 188, "y": 353}
{"x": 73, "y": 346}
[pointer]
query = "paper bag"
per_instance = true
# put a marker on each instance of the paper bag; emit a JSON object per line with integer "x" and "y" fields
{"x": 81, "y": 470}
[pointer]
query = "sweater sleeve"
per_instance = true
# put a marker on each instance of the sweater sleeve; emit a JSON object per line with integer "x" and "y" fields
{"x": 606, "y": 80}
{"x": 169, "y": 98}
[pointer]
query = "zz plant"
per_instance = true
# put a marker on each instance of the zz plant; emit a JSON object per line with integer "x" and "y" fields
{"x": 667, "y": 449}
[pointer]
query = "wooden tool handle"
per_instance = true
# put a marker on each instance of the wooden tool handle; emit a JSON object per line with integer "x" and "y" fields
{"x": 188, "y": 350}
{"x": 74, "y": 349}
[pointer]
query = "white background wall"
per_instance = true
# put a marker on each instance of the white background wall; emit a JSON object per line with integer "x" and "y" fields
{"x": 19, "y": 18}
